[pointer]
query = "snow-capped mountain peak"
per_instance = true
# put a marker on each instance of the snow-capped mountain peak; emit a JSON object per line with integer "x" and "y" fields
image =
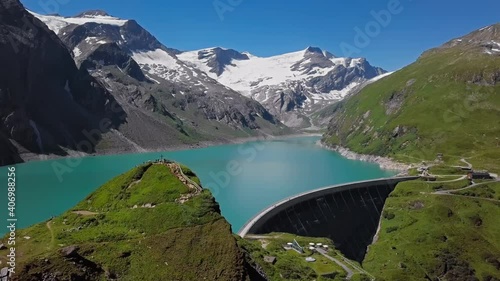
{"x": 316, "y": 50}
{"x": 301, "y": 81}
{"x": 146, "y": 76}
{"x": 245, "y": 72}
{"x": 297, "y": 81}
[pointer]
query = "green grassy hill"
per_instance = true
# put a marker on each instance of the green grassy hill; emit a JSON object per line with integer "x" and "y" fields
{"x": 448, "y": 102}
{"x": 150, "y": 223}
{"x": 425, "y": 235}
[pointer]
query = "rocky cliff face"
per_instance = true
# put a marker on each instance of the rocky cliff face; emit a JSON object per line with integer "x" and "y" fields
{"x": 9, "y": 154}
{"x": 46, "y": 102}
{"x": 217, "y": 59}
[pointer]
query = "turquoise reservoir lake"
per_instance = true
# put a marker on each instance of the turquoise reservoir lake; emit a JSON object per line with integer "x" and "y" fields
{"x": 244, "y": 178}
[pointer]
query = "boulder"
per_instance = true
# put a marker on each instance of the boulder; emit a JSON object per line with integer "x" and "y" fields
{"x": 70, "y": 251}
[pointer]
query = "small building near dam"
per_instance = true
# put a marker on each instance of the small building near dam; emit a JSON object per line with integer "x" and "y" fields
{"x": 479, "y": 175}
{"x": 349, "y": 214}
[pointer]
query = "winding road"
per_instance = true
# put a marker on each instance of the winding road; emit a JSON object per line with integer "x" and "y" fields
{"x": 448, "y": 181}
{"x": 452, "y": 192}
{"x": 467, "y": 163}
{"x": 52, "y": 237}
{"x": 349, "y": 271}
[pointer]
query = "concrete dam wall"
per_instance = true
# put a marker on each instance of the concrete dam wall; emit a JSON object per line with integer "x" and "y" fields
{"x": 348, "y": 214}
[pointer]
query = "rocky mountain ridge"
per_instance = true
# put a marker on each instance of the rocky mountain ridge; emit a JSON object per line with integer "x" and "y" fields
{"x": 158, "y": 63}
{"x": 46, "y": 102}
{"x": 93, "y": 83}
{"x": 291, "y": 86}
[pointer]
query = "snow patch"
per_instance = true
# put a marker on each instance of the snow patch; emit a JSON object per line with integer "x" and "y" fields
{"x": 355, "y": 62}
{"x": 493, "y": 51}
{"x": 191, "y": 59}
{"x": 486, "y": 27}
{"x": 77, "y": 52}
{"x": 380, "y": 77}
{"x": 160, "y": 63}
{"x": 335, "y": 94}
{"x": 156, "y": 57}
{"x": 95, "y": 40}
{"x": 340, "y": 61}
{"x": 56, "y": 23}
{"x": 152, "y": 79}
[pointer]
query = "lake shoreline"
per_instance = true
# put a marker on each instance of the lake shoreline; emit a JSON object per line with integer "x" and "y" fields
{"x": 280, "y": 167}
{"x": 33, "y": 157}
{"x": 384, "y": 163}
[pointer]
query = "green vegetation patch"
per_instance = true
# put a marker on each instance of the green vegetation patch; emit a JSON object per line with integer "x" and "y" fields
{"x": 291, "y": 265}
{"x": 426, "y": 236}
{"x": 490, "y": 190}
{"x": 133, "y": 228}
{"x": 446, "y": 102}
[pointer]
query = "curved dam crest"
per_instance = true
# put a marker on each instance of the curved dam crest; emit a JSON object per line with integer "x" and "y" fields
{"x": 348, "y": 214}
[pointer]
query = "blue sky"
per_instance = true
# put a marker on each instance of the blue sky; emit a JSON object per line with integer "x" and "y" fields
{"x": 270, "y": 27}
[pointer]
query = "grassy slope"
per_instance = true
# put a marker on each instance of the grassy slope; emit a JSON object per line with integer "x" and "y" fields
{"x": 428, "y": 235}
{"x": 171, "y": 241}
{"x": 489, "y": 190}
{"x": 446, "y": 102}
{"x": 290, "y": 265}
{"x": 440, "y": 112}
